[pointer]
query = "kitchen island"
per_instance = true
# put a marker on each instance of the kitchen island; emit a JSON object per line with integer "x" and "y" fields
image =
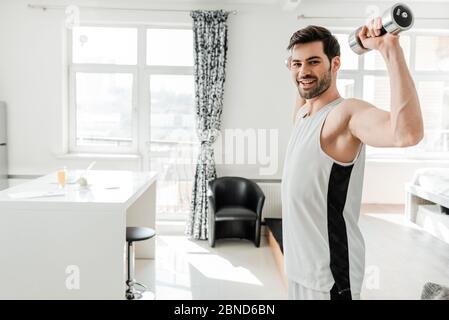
{"x": 70, "y": 242}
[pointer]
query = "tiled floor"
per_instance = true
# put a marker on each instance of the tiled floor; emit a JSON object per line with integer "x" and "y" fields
{"x": 400, "y": 258}
{"x": 189, "y": 269}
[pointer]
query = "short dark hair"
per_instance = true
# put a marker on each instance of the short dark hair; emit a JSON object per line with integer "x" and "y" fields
{"x": 308, "y": 34}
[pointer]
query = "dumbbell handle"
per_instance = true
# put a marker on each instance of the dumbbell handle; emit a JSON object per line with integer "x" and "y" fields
{"x": 356, "y": 44}
{"x": 382, "y": 32}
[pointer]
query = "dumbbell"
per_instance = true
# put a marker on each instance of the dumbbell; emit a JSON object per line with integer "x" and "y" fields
{"x": 396, "y": 19}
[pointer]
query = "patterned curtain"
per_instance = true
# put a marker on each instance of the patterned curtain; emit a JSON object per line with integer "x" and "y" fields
{"x": 210, "y": 46}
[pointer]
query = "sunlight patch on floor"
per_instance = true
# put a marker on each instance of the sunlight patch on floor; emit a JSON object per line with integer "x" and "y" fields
{"x": 216, "y": 267}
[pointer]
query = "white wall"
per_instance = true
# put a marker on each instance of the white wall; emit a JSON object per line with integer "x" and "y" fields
{"x": 258, "y": 92}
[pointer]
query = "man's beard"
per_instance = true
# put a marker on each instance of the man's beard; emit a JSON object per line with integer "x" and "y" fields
{"x": 321, "y": 86}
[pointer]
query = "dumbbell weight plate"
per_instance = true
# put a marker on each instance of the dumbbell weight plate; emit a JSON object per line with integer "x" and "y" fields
{"x": 397, "y": 19}
{"x": 355, "y": 43}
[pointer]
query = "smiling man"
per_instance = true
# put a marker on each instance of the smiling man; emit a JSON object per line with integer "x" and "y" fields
{"x": 324, "y": 164}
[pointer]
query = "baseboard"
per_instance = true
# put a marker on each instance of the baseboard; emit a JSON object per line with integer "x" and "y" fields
{"x": 278, "y": 256}
{"x": 173, "y": 228}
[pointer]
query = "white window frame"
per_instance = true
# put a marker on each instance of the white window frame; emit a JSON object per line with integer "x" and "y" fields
{"x": 141, "y": 99}
{"x": 358, "y": 74}
{"x": 73, "y": 69}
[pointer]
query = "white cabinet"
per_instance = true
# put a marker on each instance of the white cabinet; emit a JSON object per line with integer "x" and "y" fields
{"x": 431, "y": 218}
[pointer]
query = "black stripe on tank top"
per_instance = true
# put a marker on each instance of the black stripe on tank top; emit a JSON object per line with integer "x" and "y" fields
{"x": 338, "y": 238}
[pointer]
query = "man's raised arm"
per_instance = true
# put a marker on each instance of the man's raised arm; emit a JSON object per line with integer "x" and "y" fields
{"x": 403, "y": 125}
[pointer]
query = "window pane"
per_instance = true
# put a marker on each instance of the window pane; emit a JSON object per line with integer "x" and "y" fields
{"x": 376, "y": 90}
{"x": 346, "y": 87}
{"x": 169, "y": 47}
{"x": 375, "y": 61}
{"x": 175, "y": 164}
{"x": 349, "y": 60}
{"x": 174, "y": 147}
{"x": 105, "y": 45}
{"x": 432, "y": 53}
{"x": 434, "y": 101}
{"x": 104, "y": 109}
{"x": 172, "y": 113}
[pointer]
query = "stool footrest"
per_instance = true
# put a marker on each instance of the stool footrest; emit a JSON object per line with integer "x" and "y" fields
{"x": 140, "y": 284}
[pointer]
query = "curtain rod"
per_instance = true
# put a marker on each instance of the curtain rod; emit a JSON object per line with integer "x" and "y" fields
{"x": 56, "y": 7}
{"x": 304, "y": 17}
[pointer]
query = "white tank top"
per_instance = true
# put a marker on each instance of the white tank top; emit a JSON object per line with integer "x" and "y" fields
{"x": 321, "y": 200}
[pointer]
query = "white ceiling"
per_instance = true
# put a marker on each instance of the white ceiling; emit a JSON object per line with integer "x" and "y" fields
{"x": 392, "y": 1}
{"x": 309, "y": 1}
{"x": 281, "y": 3}
{"x": 302, "y": 1}
{"x": 269, "y": 2}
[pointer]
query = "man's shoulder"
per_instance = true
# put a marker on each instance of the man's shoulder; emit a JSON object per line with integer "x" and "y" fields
{"x": 351, "y": 106}
{"x": 354, "y": 103}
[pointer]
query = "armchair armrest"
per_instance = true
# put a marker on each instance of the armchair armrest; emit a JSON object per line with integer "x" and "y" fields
{"x": 211, "y": 198}
{"x": 260, "y": 204}
{"x": 257, "y": 199}
{"x": 212, "y": 207}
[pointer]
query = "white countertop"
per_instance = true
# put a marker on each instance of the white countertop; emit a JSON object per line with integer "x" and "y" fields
{"x": 108, "y": 188}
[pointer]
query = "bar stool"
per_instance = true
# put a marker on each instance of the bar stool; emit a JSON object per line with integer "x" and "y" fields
{"x": 136, "y": 234}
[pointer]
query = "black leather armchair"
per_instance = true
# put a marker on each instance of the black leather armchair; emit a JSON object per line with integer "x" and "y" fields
{"x": 235, "y": 209}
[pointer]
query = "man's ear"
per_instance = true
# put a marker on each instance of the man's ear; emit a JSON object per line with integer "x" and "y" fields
{"x": 336, "y": 63}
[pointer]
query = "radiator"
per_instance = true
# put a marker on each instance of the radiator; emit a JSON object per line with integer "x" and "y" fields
{"x": 272, "y": 207}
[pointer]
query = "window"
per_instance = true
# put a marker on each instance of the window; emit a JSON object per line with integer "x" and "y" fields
{"x": 132, "y": 90}
{"x": 427, "y": 56}
{"x": 346, "y": 87}
{"x": 103, "y": 82}
{"x": 432, "y": 53}
{"x": 348, "y": 61}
